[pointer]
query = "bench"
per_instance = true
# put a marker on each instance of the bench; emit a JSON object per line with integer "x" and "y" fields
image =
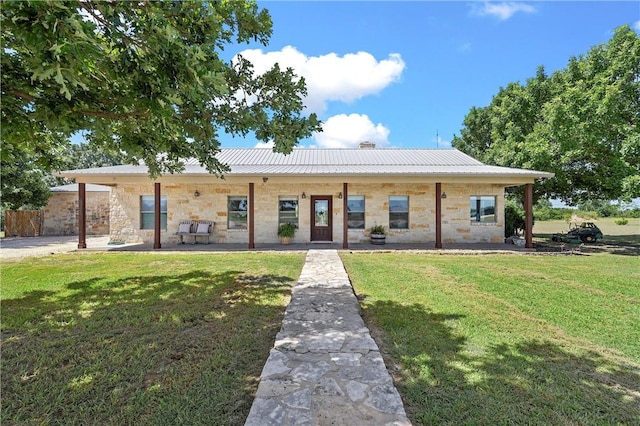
{"x": 195, "y": 228}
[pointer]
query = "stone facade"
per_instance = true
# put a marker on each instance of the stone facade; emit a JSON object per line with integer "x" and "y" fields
{"x": 211, "y": 204}
{"x": 60, "y": 216}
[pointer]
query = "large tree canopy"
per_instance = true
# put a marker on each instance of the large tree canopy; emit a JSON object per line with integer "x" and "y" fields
{"x": 143, "y": 77}
{"x": 582, "y": 123}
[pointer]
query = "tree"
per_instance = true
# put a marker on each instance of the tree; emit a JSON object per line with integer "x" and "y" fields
{"x": 23, "y": 184}
{"x": 582, "y": 123}
{"x": 144, "y": 78}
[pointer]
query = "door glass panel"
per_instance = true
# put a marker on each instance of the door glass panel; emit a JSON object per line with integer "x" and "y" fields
{"x": 321, "y": 212}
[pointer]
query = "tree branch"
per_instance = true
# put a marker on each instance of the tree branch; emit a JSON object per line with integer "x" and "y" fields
{"x": 112, "y": 115}
{"x": 22, "y": 95}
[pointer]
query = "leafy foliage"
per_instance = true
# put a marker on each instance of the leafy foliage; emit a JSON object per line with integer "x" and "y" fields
{"x": 23, "y": 185}
{"x": 287, "y": 230}
{"x": 144, "y": 78}
{"x": 514, "y": 223}
{"x": 582, "y": 123}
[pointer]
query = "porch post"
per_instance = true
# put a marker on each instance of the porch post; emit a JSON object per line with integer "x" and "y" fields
{"x": 157, "y": 219}
{"x": 528, "y": 215}
{"x": 438, "y": 215}
{"x": 82, "y": 216}
{"x": 345, "y": 214}
{"x": 251, "y": 211}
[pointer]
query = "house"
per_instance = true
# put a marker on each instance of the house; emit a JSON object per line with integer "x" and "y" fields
{"x": 331, "y": 195}
{"x": 60, "y": 215}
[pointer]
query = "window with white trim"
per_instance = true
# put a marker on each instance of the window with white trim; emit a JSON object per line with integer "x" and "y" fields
{"x": 288, "y": 210}
{"x": 237, "y": 212}
{"x": 483, "y": 208}
{"x": 399, "y": 212}
{"x": 148, "y": 211}
{"x": 355, "y": 211}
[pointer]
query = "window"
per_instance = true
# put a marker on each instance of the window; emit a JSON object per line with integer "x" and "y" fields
{"x": 483, "y": 209}
{"x": 355, "y": 212}
{"x": 237, "y": 213}
{"x": 148, "y": 211}
{"x": 288, "y": 210}
{"x": 399, "y": 212}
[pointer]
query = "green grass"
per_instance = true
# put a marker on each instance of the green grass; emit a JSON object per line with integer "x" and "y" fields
{"x": 507, "y": 339}
{"x": 139, "y": 338}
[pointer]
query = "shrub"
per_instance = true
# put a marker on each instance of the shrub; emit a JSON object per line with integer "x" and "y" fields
{"x": 287, "y": 230}
{"x": 622, "y": 221}
{"x": 513, "y": 219}
{"x": 378, "y": 229}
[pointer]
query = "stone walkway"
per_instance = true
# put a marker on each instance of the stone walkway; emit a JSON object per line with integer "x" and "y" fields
{"x": 325, "y": 369}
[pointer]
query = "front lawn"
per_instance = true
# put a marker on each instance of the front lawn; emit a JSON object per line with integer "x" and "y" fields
{"x": 507, "y": 339}
{"x": 139, "y": 338}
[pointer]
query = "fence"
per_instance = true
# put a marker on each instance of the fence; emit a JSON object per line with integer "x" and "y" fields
{"x": 22, "y": 223}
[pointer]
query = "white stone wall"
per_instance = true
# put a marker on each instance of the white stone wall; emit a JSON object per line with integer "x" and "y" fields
{"x": 211, "y": 204}
{"x": 60, "y": 215}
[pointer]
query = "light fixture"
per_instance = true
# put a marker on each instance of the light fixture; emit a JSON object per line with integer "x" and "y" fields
{"x": 304, "y": 195}
{"x": 340, "y": 195}
{"x": 196, "y": 194}
{"x": 443, "y": 195}
{"x": 265, "y": 179}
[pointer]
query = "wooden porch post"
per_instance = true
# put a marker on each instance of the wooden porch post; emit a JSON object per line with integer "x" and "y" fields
{"x": 438, "y": 215}
{"x": 157, "y": 212}
{"x": 82, "y": 216}
{"x": 528, "y": 215}
{"x": 251, "y": 223}
{"x": 345, "y": 214}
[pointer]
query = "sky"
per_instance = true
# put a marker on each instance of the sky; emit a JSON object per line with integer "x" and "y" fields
{"x": 405, "y": 74}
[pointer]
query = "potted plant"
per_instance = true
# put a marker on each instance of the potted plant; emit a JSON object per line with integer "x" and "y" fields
{"x": 377, "y": 235}
{"x": 286, "y": 231}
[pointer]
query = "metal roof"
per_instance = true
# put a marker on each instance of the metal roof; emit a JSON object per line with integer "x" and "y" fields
{"x": 307, "y": 161}
{"x": 73, "y": 187}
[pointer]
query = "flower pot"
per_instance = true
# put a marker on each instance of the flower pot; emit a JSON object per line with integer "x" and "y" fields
{"x": 285, "y": 240}
{"x": 378, "y": 239}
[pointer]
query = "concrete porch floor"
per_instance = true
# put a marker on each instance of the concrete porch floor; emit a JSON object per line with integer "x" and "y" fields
{"x": 429, "y": 247}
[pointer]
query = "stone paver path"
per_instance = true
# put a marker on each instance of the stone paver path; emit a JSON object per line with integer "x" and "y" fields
{"x": 325, "y": 369}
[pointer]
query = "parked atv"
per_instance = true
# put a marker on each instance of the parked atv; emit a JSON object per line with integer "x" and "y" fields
{"x": 587, "y": 232}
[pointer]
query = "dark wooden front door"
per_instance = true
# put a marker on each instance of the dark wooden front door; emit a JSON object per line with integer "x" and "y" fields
{"x": 321, "y": 218}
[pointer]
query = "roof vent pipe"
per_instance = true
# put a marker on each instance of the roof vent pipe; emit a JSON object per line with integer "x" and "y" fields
{"x": 367, "y": 145}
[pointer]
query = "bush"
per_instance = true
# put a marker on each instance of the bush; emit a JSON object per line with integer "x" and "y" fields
{"x": 513, "y": 219}
{"x": 287, "y": 230}
{"x": 635, "y": 213}
{"x": 552, "y": 213}
{"x": 622, "y": 221}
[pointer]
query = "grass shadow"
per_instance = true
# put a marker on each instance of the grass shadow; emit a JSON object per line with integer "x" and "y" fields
{"x": 624, "y": 245}
{"x": 446, "y": 379}
{"x": 179, "y": 349}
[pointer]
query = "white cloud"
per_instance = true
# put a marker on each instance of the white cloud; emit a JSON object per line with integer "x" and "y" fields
{"x": 264, "y": 145}
{"x": 331, "y": 77}
{"x": 347, "y": 131}
{"x": 636, "y": 25}
{"x": 502, "y": 10}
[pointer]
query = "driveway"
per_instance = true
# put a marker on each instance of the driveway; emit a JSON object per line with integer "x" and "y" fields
{"x": 21, "y": 247}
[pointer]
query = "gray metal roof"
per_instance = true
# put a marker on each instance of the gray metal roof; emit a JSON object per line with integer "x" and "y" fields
{"x": 306, "y": 161}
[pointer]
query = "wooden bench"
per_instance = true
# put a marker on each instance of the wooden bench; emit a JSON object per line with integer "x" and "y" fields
{"x": 195, "y": 228}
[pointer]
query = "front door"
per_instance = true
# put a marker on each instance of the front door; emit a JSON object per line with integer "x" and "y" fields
{"x": 321, "y": 218}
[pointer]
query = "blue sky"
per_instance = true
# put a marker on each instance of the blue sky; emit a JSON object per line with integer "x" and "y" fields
{"x": 398, "y": 72}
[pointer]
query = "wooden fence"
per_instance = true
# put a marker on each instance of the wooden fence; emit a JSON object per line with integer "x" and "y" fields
{"x": 22, "y": 223}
